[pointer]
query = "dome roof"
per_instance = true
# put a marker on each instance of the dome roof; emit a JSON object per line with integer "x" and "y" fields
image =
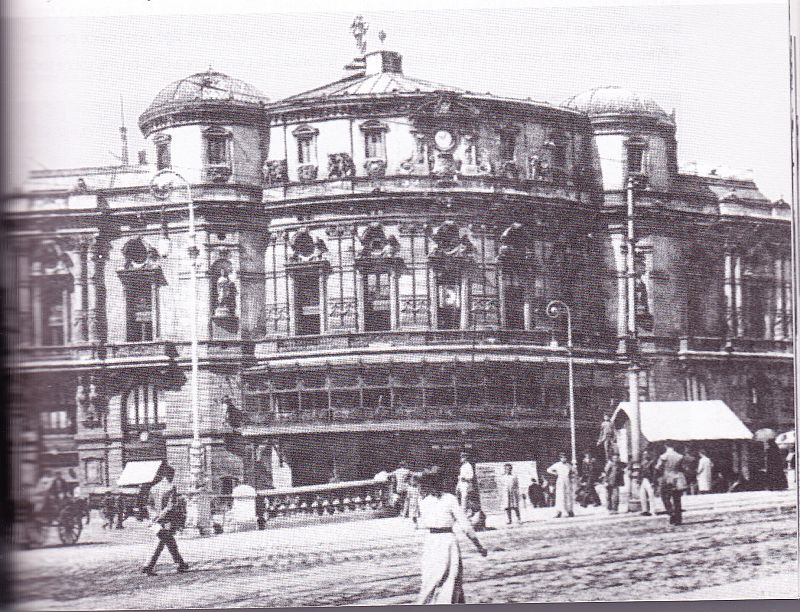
{"x": 614, "y": 101}
{"x": 206, "y": 86}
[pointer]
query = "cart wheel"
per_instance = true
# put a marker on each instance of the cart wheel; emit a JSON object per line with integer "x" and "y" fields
{"x": 35, "y": 533}
{"x": 69, "y": 527}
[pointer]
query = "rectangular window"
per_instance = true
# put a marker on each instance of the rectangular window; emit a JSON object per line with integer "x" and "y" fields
{"x": 53, "y": 315}
{"x": 508, "y": 143}
{"x": 163, "y": 157}
{"x": 141, "y": 407}
{"x": 448, "y": 312}
{"x": 560, "y": 155}
{"x": 377, "y": 303}
{"x": 374, "y": 144}
{"x": 305, "y": 150}
{"x": 139, "y": 297}
{"x": 514, "y": 298}
{"x": 217, "y": 150}
{"x": 635, "y": 158}
{"x": 56, "y": 421}
{"x": 306, "y": 288}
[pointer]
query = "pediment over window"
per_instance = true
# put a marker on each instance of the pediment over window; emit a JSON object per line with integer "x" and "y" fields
{"x": 50, "y": 259}
{"x": 142, "y": 263}
{"x": 514, "y": 243}
{"x": 378, "y": 250}
{"x": 307, "y": 251}
{"x": 304, "y": 131}
{"x": 452, "y": 250}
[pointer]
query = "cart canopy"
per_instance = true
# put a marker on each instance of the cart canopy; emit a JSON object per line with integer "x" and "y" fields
{"x": 690, "y": 420}
{"x": 138, "y": 472}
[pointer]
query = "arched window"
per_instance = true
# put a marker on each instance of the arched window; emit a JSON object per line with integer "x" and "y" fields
{"x": 141, "y": 409}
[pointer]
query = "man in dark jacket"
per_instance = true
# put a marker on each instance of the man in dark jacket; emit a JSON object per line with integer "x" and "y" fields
{"x": 649, "y": 476}
{"x": 588, "y": 480}
{"x": 673, "y": 482}
{"x": 164, "y": 501}
{"x": 615, "y": 478}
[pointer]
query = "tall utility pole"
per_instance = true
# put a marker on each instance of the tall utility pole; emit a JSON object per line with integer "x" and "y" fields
{"x": 632, "y": 344}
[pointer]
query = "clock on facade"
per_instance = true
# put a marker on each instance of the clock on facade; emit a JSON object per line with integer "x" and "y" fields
{"x": 444, "y": 140}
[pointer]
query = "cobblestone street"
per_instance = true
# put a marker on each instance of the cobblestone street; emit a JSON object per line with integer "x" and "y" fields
{"x": 726, "y": 539}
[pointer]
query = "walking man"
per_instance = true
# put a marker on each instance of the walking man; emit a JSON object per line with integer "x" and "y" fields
{"x": 705, "y": 472}
{"x": 673, "y": 482}
{"x": 402, "y": 476}
{"x": 164, "y": 502}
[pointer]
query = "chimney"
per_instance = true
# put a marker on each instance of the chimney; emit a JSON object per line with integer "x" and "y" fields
{"x": 384, "y": 61}
{"x": 142, "y": 157}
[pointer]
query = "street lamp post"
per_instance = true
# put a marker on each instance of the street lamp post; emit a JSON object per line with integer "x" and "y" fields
{"x": 632, "y": 348}
{"x": 554, "y": 309}
{"x": 162, "y": 185}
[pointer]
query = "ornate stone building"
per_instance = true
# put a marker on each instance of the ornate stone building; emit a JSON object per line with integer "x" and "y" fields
{"x": 375, "y": 256}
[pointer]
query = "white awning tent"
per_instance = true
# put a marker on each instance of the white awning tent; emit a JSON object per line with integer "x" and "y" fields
{"x": 138, "y": 472}
{"x": 685, "y": 421}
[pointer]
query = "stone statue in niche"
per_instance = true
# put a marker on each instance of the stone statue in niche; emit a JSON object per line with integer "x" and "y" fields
{"x": 276, "y": 172}
{"x": 340, "y": 165}
{"x": 226, "y": 295}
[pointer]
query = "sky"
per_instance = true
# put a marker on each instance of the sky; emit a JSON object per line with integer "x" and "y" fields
{"x": 722, "y": 67}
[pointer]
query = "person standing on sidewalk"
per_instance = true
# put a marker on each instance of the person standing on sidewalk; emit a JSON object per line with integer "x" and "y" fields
{"x": 673, "y": 482}
{"x": 466, "y": 480}
{"x": 401, "y": 477}
{"x": 690, "y": 465}
{"x": 705, "y": 471}
{"x": 165, "y": 504}
{"x": 509, "y": 492}
{"x": 563, "y": 472}
{"x": 647, "y": 493}
{"x": 615, "y": 477}
{"x": 441, "y": 565}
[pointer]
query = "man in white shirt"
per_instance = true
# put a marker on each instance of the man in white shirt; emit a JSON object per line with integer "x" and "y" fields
{"x": 466, "y": 480}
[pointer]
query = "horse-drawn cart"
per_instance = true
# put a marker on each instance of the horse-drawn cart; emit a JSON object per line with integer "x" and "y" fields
{"x": 35, "y": 519}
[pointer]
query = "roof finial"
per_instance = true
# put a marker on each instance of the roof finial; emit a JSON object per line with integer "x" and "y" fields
{"x": 382, "y": 36}
{"x": 359, "y": 30}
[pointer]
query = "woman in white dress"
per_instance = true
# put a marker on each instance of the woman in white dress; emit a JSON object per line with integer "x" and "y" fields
{"x": 705, "y": 470}
{"x": 562, "y": 470}
{"x": 442, "y": 571}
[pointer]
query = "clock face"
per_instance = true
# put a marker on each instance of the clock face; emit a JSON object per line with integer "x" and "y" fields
{"x": 444, "y": 139}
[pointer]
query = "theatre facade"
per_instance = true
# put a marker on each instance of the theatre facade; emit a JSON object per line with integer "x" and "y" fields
{"x": 375, "y": 261}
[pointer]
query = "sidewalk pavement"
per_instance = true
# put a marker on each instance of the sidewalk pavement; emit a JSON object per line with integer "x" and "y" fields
{"x": 279, "y": 544}
{"x": 779, "y": 586}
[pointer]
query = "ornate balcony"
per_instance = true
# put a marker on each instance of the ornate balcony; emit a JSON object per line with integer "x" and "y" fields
{"x": 311, "y": 187}
{"x": 343, "y": 341}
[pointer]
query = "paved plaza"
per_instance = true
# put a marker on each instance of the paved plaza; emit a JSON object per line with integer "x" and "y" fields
{"x": 741, "y": 544}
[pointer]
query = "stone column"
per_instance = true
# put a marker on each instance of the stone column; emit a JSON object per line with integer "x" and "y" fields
{"x": 777, "y": 290}
{"x": 290, "y": 299}
{"x": 617, "y": 241}
{"x": 96, "y": 290}
{"x": 394, "y": 298}
{"x": 730, "y": 311}
{"x": 787, "y": 302}
{"x": 739, "y": 313}
{"x": 501, "y": 296}
{"x": 80, "y": 300}
{"x": 465, "y": 302}
{"x": 323, "y": 302}
{"x": 360, "y": 310}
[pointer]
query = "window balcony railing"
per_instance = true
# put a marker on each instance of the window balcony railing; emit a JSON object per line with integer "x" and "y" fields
{"x": 403, "y": 338}
{"x": 735, "y": 345}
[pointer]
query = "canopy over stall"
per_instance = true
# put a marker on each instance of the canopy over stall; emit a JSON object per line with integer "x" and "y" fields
{"x": 684, "y": 421}
{"x": 138, "y": 472}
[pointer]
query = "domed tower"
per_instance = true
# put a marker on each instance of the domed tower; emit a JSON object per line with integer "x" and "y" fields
{"x": 209, "y": 127}
{"x": 633, "y": 135}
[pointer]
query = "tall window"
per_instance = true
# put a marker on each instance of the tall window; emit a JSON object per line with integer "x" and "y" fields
{"x": 758, "y": 281}
{"x": 217, "y": 149}
{"x": 53, "y": 315}
{"x": 306, "y": 144}
{"x": 635, "y": 152}
{"x": 57, "y": 407}
{"x": 514, "y": 299}
{"x": 140, "y": 316}
{"x": 306, "y": 287}
{"x": 141, "y": 408}
{"x": 376, "y": 297}
{"x": 163, "y": 154}
{"x": 508, "y": 143}
{"x": 374, "y": 144}
{"x": 163, "y": 159}
{"x": 448, "y": 312}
